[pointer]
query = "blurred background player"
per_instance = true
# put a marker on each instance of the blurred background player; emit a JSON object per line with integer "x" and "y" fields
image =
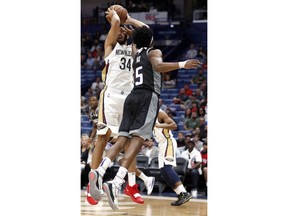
{"x": 167, "y": 156}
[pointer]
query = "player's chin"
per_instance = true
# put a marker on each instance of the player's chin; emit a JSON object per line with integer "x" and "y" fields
{"x": 121, "y": 40}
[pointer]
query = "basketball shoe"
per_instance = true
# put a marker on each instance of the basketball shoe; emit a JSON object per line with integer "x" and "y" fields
{"x": 112, "y": 190}
{"x": 89, "y": 198}
{"x": 134, "y": 193}
{"x": 183, "y": 197}
{"x": 95, "y": 180}
{"x": 150, "y": 184}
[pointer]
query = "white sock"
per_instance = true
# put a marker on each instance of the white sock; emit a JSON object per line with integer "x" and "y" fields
{"x": 131, "y": 178}
{"x": 103, "y": 166}
{"x": 180, "y": 189}
{"x": 143, "y": 177}
{"x": 119, "y": 178}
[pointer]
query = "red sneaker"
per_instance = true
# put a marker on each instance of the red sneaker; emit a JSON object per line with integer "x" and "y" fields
{"x": 134, "y": 193}
{"x": 89, "y": 198}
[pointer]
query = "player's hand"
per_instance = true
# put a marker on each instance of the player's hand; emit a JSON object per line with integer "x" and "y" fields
{"x": 110, "y": 13}
{"x": 127, "y": 30}
{"x": 193, "y": 64}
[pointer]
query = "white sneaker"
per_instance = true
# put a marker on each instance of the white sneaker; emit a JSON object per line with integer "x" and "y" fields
{"x": 95, "y": 181}
{"x": 112, "y": 190}
{"x": 149, "y": 184}
{"x": 194, "y": 193}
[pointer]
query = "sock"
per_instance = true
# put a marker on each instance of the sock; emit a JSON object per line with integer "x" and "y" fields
{"x": 179, "y": 189}
{"x": 131, "y": 178}
{"x": 103, "y": 166}
{"x": 143, "y": 177}
{"x": 119, "y": 178}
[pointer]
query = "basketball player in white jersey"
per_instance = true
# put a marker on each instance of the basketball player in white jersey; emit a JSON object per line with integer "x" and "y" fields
{"x": 118, "y": 80}
{"x": 167, "y": 156}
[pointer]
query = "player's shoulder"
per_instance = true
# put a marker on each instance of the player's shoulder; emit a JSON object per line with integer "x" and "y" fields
{"x": 154, "y": 52}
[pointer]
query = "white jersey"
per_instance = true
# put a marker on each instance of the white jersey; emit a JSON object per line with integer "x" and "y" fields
{"x": 167, "y": 146}
{"x": 119, "y": 72}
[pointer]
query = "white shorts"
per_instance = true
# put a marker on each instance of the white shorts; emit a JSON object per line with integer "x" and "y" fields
{"x": 167, "y": 157}
{"x": 110, "y": 114}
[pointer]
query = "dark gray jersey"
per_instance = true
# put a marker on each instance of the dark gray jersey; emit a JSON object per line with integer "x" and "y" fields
{"x": 144, "y": 76}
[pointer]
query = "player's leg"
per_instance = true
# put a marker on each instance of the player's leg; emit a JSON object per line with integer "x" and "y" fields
{"x": 131, "y": 188}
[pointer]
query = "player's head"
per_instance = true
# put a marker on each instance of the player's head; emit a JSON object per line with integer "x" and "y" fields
{"x": 93, "y": 102}
{"x": 122, "y": 36}
{"x": 142, "y": 37}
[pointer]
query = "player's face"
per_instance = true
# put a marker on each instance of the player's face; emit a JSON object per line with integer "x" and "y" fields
{"x": 93, "y": 102}
{"x": 122, "y": 37}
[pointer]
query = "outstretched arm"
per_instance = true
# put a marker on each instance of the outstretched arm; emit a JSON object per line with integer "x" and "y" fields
{"x": 158, "y": 65}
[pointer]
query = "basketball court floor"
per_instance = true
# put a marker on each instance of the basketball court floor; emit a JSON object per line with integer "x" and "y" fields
{"x": 153, "y": 206}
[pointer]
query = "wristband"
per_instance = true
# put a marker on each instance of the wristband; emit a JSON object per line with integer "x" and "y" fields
{"x": 182, "y": 64}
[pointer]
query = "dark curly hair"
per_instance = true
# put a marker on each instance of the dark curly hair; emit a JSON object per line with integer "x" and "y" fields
{"x": 142, "y": 37}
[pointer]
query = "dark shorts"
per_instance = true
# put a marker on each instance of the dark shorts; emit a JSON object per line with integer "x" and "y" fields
{"x": 139, "y": 114}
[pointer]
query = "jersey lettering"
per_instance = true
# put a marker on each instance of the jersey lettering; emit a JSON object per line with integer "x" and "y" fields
{"x": 139, "y": 76}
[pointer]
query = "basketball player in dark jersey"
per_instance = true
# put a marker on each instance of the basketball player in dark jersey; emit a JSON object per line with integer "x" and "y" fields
{"x": 140, "y": 108}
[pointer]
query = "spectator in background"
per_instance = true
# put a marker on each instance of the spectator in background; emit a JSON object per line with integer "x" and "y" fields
{"x": 103, "y": 36}
{"x": 84, "y": 106}
{"x": 192, "y": 123}
{"x": 192, "y": 52}
{"x": 93, "y": 49}
{"x": 188, "y": 90}
{"x": 150, "y": 149}
{"x": 168, "y": 82}
{"x": 203, "y": 88}
{"x": 203, "y": 128}
{"x": 199, "y": 78}
{"x": 202, "y": 54}
{"x": 97, "y": 86}
{"x": 198, "y": 142}
{"x": 89, "y": 94}
{"x": 90, "y": 61}
{"x": 194, "y": 106}
{"x": 196, "y": 131}
{"x": 181, "y": 141}
{"x": 187, "y": 114}
{"x": 194, "y": 166}
{"x": 99, "y": 61}
{"x": 181, "y": 97}
{"x": 204, "y": 154}
{"x": 198, "y": 96}
{"x": 202, "y": 113}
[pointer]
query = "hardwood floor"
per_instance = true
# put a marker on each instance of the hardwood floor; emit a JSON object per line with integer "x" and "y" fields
{"x": 153, "y": 206}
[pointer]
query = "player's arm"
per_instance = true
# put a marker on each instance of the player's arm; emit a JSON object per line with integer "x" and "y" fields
{"x": 155, "y": 57}
{"x": 134, "y": 22}
{"x": 93, "y": 132}
{"x": 165, "y": 121}
{"x": 112, "y": 35}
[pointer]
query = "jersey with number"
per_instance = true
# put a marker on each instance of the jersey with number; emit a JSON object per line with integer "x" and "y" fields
{"x": 144, "y": 76}
{"x": 93, "y": 115}
{"x": 118, "y": 73}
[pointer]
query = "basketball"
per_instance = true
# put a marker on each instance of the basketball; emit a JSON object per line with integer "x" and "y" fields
{"x": 122, "y": 13}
